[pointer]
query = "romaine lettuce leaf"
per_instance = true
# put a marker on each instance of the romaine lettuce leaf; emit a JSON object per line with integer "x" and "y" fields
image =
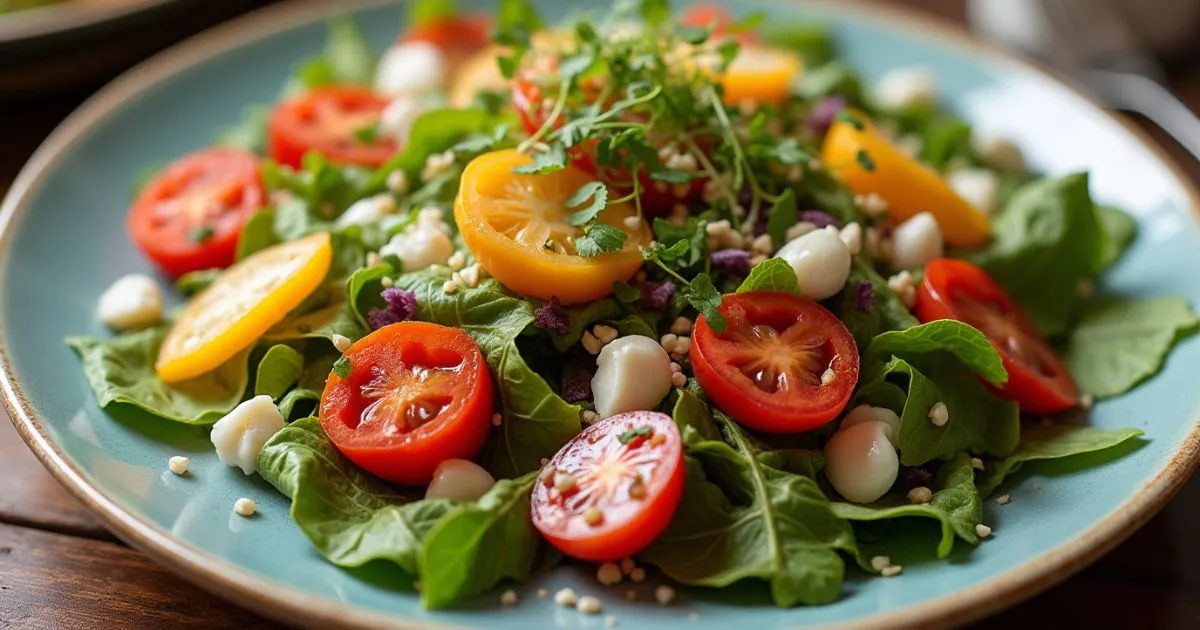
{"x": 1053, "y": 441}
{"x": 278, "y": 371}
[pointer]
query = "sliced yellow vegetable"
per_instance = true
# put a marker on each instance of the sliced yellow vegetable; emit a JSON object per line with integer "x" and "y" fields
{"x": 868, "y": 162}
{"x": 761, "y": 75}
{"x": 242, "y": 304}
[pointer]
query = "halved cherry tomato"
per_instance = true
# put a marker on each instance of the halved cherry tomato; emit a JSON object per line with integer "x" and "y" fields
{"x": 783, "y": 365}
{"x": 908, "y": 186}
{"x": 190, "y": 215}
{"x": 612, "y": 490}
{"x": 242, "y": 304}
{"x": 517, "y": 228}
{"x": 1037, "y": 379}
{"x": 330, "y": 121}
{"x": 416, "y": 395}
{"x": 457, "y": 36}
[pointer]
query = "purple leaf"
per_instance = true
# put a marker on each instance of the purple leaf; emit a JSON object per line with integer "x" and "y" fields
{"x": 657, "y": 295}
{"x": 823, "y": 115}
{"x": 401, "y": 307}
{"x": 735, "y": 262}
{"x": 864, "y": 296}
{"x": 819, "y": 218}
{"x": 552, "y": 317}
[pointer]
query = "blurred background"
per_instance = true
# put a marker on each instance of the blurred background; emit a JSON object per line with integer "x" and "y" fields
{"x": 1138, "y": 56}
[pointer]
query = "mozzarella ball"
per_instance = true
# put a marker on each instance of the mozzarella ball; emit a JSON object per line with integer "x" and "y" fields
{"x": 133, "y": 301}
{"x": 905, "y": 87}
{"x": 883, "y": 415}
{"x": 916, "y": 242}
{"x": 426, "y": 242}
{"x": 241, "y": 434}
{"x": 367, "y": 211}
{"x": 460, "y": 480}
{"x": 977, "y": 186}
{"x": 821, "y": 261}
{"x": 396, "y": 120}
{"x": 632, "y": 373}
{"x": 999, "y": 153}
{"x": 411, "y": 68}
{"x": 861, "y": 463}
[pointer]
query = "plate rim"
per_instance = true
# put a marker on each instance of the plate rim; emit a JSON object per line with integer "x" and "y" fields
{"x": 293, "y": 605}
{"x": 56, "y": 19}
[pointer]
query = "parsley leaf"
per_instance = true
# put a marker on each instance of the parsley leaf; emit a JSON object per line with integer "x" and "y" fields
{"x": 591, "y": 190}
{"x": 640, "y": 431}
{"x": 599, "y": 238}
{"x": 705, "y": 298}
{"x": 341, "y": 367}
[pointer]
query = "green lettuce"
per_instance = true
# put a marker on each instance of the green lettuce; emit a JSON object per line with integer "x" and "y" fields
{"x": 887, "y": 312}
{"x": 772, "y": 274}
{"x": 278, "y": 371}
{"x": 346, "y": 60}
{"x": 1045, "y": 442}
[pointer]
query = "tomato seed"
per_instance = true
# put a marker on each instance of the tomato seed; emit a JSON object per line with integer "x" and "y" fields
{"x": 658, "y": 439}
{"x": 593, "y": 516}
{"x": 564, "y": 483}
{"x": 637, "y": 490}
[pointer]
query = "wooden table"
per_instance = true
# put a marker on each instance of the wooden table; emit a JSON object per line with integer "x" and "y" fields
{"x": 60, "y": 568}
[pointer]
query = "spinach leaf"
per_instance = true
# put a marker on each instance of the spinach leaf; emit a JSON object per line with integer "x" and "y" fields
{"x": 296, "y": 403}
{"x": 194, "y": 282}
{"x": 946, "y": 139}
{"x": 315, "y": 194}
{"x": 364, "y": 291}
{"x": 350, "y": 517}
{"x": 693, "y": 418}
{"x": 1120, "y": 343}
{"x": 257, "y": 234}
{"x": 432, "y": 132}
{"x": 1119, "y": 231}
{"x": 347, "y": 59}
{"x": 121, "y": 373}
{"x": 956, "y": 504}
{"x": 333, "y": 317}
{"x": 478, "y": 545}
{"x": 1054, "y": 441}
{"x": 772, "y": 274}
{"x": 1047, "y": 240}
{"x": 278, "y": 370}
{"x": 742, "y": 519}
{"x": 960, "y": 340}
{"x": 979, "y": 422}
{"x": 887, "y": 312}
{"x": 536, "y": 420}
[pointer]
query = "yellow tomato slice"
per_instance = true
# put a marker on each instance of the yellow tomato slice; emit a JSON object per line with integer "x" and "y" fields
{"x": 761, "y": 75}
{"x": 908, "y": 186}
{"x": 242, "y": 304}
{"x": 517, "y": 228}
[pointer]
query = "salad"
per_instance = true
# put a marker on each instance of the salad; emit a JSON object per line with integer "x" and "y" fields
{"x": 650, "y": 291}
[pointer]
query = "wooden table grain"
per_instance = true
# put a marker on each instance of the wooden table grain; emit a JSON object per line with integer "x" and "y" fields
{"x": 60, "y": 568}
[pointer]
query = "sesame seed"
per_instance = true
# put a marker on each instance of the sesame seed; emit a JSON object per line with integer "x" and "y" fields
{"x": 879, "y": 563}
{"x": 667, "y": 341}
{"x": 341, "y": 342}
{"x": 609, "y": 573}
{"x": 1086, "y": 401}
{"x": 471, "y": 276}
{"x": 593, "y": 516}
{"x": 827, "y": 376}
{"x": 678, "y": 379}
{"x": 939, "y": 415}
{"x": 637, "y": 575}
{"x": 637, "y": 488}
{"x": 681, "y": 326}
{"x": 457, "y": 261}
{"x": 682, "y": 343}
{"x": 976, "y": 463}
{"x": 590, "y": 417}
{"x": 632, "y": 222}
{"x": 373, "y": 259}
{"x": 244, "y": 507}
{"x": 604, "y": 333}
{"x": 664, "y": 594}
{"x": 762, "y": 244}
{"x": 497, "y": 419}
{"x": 891, "y": 571}
{"x": 589, "y": 605}
{"x": 542, "y": 593}
{"x": 397, "y": 182}
{"x": 983, "y": 531}
{"x": 178, "y": 465}
{"x": 508, "y": 598}
{"x": 564, "y": 483}
{"x": 921, "y": 495}
{"x": 565, "y": 597}
{"x": 627, "y": 565}
{"x": 1003, "y": 499}
{"x": 387, "y": 282}
{"x": 610, "y": 621}
{"x": 590, "y": 343}
{"x": 449, "y": 287}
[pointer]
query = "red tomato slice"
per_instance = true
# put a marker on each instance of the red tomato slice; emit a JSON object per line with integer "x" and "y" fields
{"x": 1037, "y": 379}
{"x": 189, "y": 216}
{"x": 612, "y": 490}
{"x": 783, "y": 365}
{"x": 704, "y": 14}
{"x": 329, "y": 120}
{"x": 457, "y": 36}
{"x": 416, "y": 395}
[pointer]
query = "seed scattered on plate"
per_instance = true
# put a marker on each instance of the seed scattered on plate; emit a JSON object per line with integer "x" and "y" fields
{"x": 178, "y": 465}
{"x": 245, "y": 507}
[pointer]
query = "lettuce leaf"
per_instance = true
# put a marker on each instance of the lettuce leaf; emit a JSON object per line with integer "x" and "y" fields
{"x": 772, "y": 274}
{"x": 278, "y": 371}
{"x": 1044, "y": 442}
{"x": 887, "y": 312}
{"x": 121, "y": 373}
{"x": 346, "y": 60}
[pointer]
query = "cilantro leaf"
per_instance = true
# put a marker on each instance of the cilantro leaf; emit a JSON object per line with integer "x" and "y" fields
{"x": 341, "y": 367}
{"x": 575, "y": 65}
{"x": 554, "y": 159}
{"x": 599, "y": 238}
{"x": 705, "y": 298}
{"x": 595, "y": 191}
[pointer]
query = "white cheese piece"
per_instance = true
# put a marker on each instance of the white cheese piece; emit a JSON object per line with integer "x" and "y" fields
{"x": 398, "y": 117}
{"x": 883, "y": 415}
{"x": 821, "y": 261}
{"x": 426, "y": 242}
{"x": 241, "y": 434}
{"x": 367, "y": 211}
{"x": 905, "y": 87}
{"x": 632, "y": 373}
{"x": 861, "y": 463}
{"x": 411, "y": 68}
{"x": 916, "y": 242}
{"x": 977, "y": 186}
{"x": 459, "y": 479}
{"x": 133, "y": 301}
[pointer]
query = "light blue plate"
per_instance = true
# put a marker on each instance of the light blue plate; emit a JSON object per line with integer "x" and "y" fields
{"x": 64, "y": 242}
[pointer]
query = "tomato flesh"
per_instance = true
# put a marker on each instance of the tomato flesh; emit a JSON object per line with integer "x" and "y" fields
{"x": 330, "y": 120}
{"x": 1037, "y": 378}
{"x": 189, "y": 216}
{"x": 626, "y": 475}
{"x": 457, "y": 36}
{"x": 416, "y": 395}
{"x": 783, "y": 365}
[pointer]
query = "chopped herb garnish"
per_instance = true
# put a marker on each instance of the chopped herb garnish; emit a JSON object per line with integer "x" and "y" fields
{"x": 200, "y": 234}
{"x": 636, "y": 433}
{"x": 367, "y": 134}
{"x": 865, "y": 160}
{"x": 341, "y": 367}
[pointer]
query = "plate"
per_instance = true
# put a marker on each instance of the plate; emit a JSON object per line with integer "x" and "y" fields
{"x": 63, "y": 242}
